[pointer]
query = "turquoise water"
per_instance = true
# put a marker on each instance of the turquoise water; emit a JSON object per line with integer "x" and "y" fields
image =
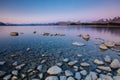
{"x": 56, "y": 47}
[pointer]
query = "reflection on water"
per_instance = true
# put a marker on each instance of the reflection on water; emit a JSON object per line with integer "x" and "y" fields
{"x": 57, "y": 47}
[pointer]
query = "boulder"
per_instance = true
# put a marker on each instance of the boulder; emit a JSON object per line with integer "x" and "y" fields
{"x": 54, "y": 70}
{"x": 104, "y": 68}
{"x": 52, "y": 78}
{"x": 115, "y": 64}
{"x": 109, "y": 44}
{"x": 85, "y": 64}
{"x": 78, "y": 44}
{"x": 86, "y": 37}
{"x": 103, "y": 47}
{"x": 68, "y": 73}
{"x": 98, "y": 62}
{"x": 117, "y": 43}
{"x": 14, "y": 33}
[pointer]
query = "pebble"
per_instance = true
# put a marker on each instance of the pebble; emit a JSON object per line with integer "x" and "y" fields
{"x": 116, "y": 78}
{"x": 70, "y": 78}
{"x": 2, "y": 73}
{"x": 15, "y": 63}
{"x": 52, "y": 78}
{"x": 83, "y": 72}
{"x": 54, "y": 70}
{"x": 14, "y": 78}
{"x": 98, "y": 62}
{"x": 39, "y": 68}
{"x": 2, "y": 63}
{"x": 15, "y": 72}
{"x": 63, "y": 78}
{"x": 40, "y": 75}
{"x": 107, "y": 59}
{"x": 85, "y": 64}
{"x": 71, "y": 63}
{"x": 7, "y": 77}
{"x": 91, "y": 76}
{"x": 118, "y": 72}
{"x": 68, "y": 73}
{"x": 65, "y": 60}
{"x": 104, "y": 68}
{"x": 19, "y": 67}
{"x": 77, "y": 75}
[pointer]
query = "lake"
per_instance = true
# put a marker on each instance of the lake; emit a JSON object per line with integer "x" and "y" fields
{"x": 56, "y": 48}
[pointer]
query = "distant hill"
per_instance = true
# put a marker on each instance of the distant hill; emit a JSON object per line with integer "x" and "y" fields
{"x": 2, "y": 24}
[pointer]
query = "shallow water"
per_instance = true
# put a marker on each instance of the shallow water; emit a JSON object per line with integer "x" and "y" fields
{"x": 56, "y": 47}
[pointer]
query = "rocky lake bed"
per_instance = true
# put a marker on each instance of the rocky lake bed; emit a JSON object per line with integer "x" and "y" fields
{"x": 58, "y": 56}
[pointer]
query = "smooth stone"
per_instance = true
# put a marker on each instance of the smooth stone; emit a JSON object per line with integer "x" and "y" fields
{"x": 15, "y": 72}
{"x": 7, "y": 77}
{"x": 86, "y": 37}
{"x": 105, "y": 77}
{"x": 109, "y": 44}
{"x": 98, "y": 71}
{"x": 28, "y": 49}
{"x": 15, "y": 63}
{"x": 98, "y": 62}
{"x": 40, "y": 75}
{"x": 65, "y": 60}
{"x": 63, "y": 78}
{"x": 14, "y": 33}
{"x": 117, "y": 43}
{"x": 78, "y": 44}
{"x": 52, "y": 78}
{"x": 14, "y": 78}
{"x": 116, "y": 78}
{"x": 104, "y": 68}
{"x": 77, "y": 75}
{"x": 71, "y": 63}
{"x": 68, "y": 73}
{"x": 59, "y": 64}
{"x": 115, "y": 64}
{"x": 118, "y": 72}
{"x": 2, "y": 73}
{"x": 70, "y": 78}
{"x": 2, "y": 63}
{"x": 91, "y": 76}
{"x": 103, "y": 47}
{"x": 39, "y": 68}
{"x": 19, "y": 67}
{"x": 75, "y": 68}
{"x": 43, "y": 61}
{"x": 54, "y": 70}
{"x": 79, "y": 55}
{"x": 83, "y": 72}
{"x": 85, "y": 64}
{"x": 107, "y": 59}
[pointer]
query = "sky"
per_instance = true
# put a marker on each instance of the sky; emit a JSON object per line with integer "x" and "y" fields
{"x": 42, "y": 11}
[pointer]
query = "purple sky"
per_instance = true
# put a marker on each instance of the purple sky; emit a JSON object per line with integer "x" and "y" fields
{"x": 40, "y": 11}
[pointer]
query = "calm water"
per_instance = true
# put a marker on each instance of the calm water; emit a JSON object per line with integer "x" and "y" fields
{"x": 56, "y": 47}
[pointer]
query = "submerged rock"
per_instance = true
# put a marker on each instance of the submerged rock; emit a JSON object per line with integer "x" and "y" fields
{"x": 86, "y": 37}
{"x": 39, "y": 68}
{"x": 40, "y": 75}
{"x": 107, "y": 59}
{"x": 15, "y": 72}
{"x": 19, "y": 67}
{"x": 65, "y": 60}
{"x": 7, "y": 77}
{"x": 98, "y": 62}
{"x": 45, "y": 34}
{"x": 54, "y": 70}
{"x": 14, "y": 33}
{"x": 77, "y": 75}
{"x": 78, "y": 44}
{"x": 104, "y": 68}
{"x": 63, "y": 78}
{"x": 70, "y": 78}
{"x": 115, "y": 64}
{"x": 83, "y": 72}
{"x": 85, "y": 64}
{"x": 68, "y": 73}
{"x": 15, "y": 63}
{"x": 2, "y": 63}
{"x": 71, "y": 63}
{"x": 91, "y": 76}
{"x": 103, "y": 47}
{"x": 2, "y": 73}
{"x": 52, "y": 78}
